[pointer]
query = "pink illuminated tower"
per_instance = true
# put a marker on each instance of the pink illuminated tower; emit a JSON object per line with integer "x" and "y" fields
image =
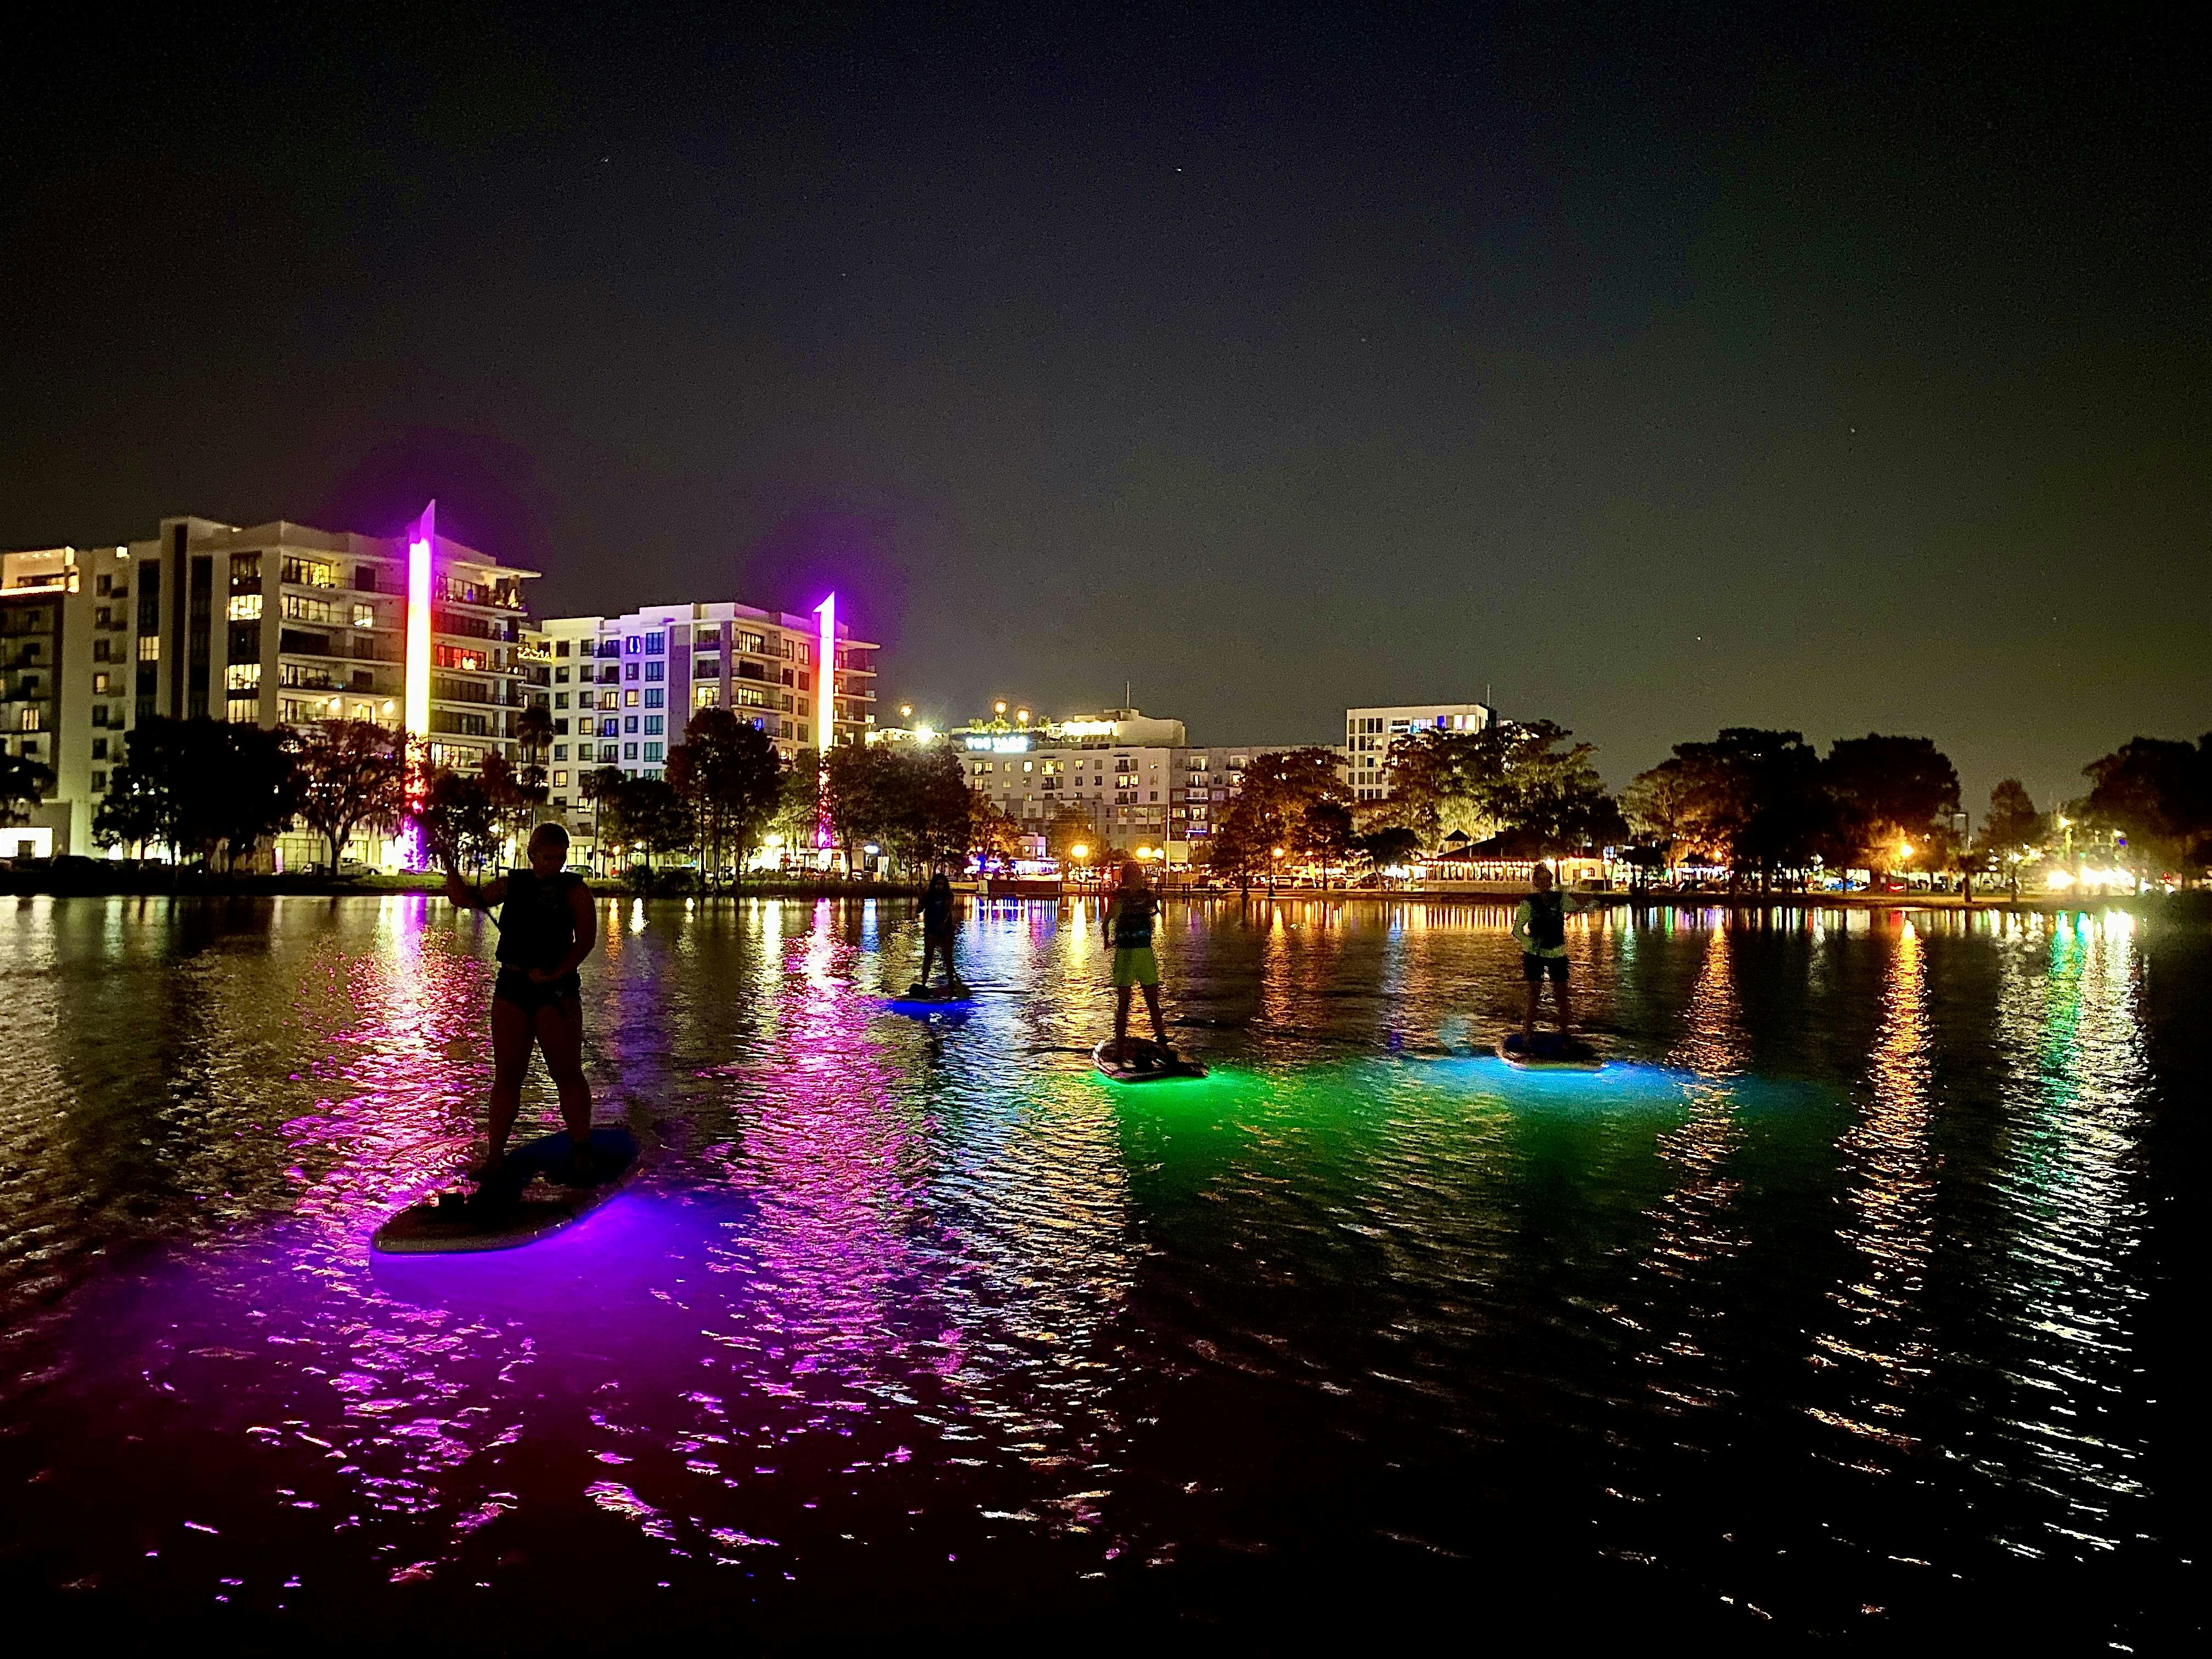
{"x": 825, "y": 712}
{"x": 422, "y": 539}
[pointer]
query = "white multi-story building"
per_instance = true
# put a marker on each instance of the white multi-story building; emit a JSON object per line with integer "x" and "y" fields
{"x": 65, "y": 684}
{"x": 275, "y": 624}
{"x": 1114, "y": 767}
{"x": 620, "y": 689}
{"x": 1368, "y": 733}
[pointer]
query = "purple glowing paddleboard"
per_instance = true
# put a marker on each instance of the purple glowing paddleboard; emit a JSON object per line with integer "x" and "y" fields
{"x": 536, "y": 1193}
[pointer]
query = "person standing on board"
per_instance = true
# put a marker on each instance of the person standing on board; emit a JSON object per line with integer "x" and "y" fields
{"x": 1540, "y": 925}
{"x": 939, "y": 921}
{"x": 546, "y": 927}
{"x": 1128, "y": 922}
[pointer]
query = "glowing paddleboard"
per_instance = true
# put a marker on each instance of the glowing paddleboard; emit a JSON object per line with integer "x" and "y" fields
{"x": 1550, "y": 1052}
{"x": 535, "y": 1194}
{"x": 1142, "y": 1061}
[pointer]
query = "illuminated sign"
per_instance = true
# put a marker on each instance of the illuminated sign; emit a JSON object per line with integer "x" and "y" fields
{"x": 1000, "y": 746}
{"x": 1085, "y": 728}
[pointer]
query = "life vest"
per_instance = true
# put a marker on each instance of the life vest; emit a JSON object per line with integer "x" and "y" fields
{"x": 536, "y": 925}
{"x": 1548, "y": 920}
{"x": 1133, "y": 921}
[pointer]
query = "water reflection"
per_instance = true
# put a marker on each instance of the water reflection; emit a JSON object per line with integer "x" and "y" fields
{"x": 895, "y": 1306}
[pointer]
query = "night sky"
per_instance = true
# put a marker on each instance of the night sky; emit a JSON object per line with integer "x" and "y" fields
{"x": 1660, "y": 370}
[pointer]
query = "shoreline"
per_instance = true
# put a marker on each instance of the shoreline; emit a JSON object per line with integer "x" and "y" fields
{"x": 2186, "y": 906}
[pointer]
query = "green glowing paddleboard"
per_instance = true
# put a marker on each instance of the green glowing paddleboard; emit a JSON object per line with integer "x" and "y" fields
{"x": 1550, "y": 1052}
{"x": 1142, "y": 1061}
{"x": 535, "y": 1194}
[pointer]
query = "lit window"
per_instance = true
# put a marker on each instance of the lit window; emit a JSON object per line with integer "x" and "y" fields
{"x": 629, "y": 699}
{"x": 561, "y": 779}
{"x": 98, "y": 684}
{"x": 244, "y": 607}
{"x": 610, "y": 727}
{"x": 630, "y": 645}
{"x": 150, "y": 647}
{"x": 242, "y": 677}
{"x": 706, "y": 696}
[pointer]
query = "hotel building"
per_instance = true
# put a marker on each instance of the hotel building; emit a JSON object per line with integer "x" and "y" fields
{"x": 1368, "y": 734}
{"x": 622, "y": 688}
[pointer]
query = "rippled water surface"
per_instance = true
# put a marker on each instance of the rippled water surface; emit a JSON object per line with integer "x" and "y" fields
{"x": 1850, "y": 1296}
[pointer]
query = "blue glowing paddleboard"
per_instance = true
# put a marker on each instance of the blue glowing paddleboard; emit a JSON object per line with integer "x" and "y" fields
{"x": 1145, "y": 1061}
{"x": 1550, "y": 1052}
{"x": 533, "y": 1195}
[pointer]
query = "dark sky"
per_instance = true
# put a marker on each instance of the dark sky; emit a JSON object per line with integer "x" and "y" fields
{"x": 1661, "y": 368}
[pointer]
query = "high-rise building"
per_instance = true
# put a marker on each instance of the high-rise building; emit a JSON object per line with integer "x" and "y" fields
{"x": 1370, "y": 732}
{"x": 64, "y": 683}
{"x": 275, "y": 624}
{"x": 620, "y": 689}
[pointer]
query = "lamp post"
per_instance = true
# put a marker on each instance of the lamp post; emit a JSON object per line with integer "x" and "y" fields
{"x": 1275, "y": 869}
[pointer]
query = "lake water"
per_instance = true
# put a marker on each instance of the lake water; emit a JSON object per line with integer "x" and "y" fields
{"x": 1857, "y": 1293}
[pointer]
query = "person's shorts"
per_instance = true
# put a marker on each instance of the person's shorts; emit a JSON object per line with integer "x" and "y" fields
{"x": 1135, "y": 964}
{"x": 515, "y": 986}
{"x": 1533, "y": 967}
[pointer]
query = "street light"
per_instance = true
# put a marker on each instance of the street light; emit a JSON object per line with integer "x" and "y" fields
{"x": 906, "y": 711}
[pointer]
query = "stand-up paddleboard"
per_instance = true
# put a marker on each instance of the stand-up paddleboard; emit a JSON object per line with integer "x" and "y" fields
{"x": 536, "y": 1193}
{"x": 1551, "y": 1051}
{"x": 1144, "y": 1061}
{"x": 917, "y": 992}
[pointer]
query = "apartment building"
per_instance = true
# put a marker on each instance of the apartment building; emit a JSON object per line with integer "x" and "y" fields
{"x": 1368, "y": 733}
{"x": 64, "y": 681}
{"x": 1116, "y": 768}
{"x": 622, "y": 688}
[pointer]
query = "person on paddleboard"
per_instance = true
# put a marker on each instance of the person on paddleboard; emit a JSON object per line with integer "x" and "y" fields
{"x": 546, "y": 927}
{"x": 940, "y": 910}
{"x": 1541, "y": 926}
{"x": 1129, "y": 923}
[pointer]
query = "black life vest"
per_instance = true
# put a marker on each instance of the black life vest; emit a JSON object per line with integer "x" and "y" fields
{"x": 536, "y": 927}
{"x": 1548, "y": 920}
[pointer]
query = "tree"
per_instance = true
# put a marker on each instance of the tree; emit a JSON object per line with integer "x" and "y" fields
{"x": 2012, "y": 830}
{"x": 1325, "y": 834}
{"x": 1392, "y": 845}
{"x": 857, "y": 794}
{"x": 798, "y": 816}
{"x": 992, "y": 835}
{"x": 1660, "y": 807}
{"x": 198, "y": 785}
{"x": 598, "y": 787}
{"x": 932, "y": 808}
{"x": 1070, "y": 828}
{"x": 655, "y": 818}
{"x": 459, "y": 820}
{"x": 533, "y": 732}
{"x": 2158, "y": 793}
{"x": 259, "y": 793}
{"x": 514, "y": 797}
{"x": 1240, "y": 848}
{"x": 1507, "y": 777}
{"x": 353, "y": 774}
{"x": 1288, "y": 800}
{"x": 726, "y": 772}
{"x": 1889, "y": 794}
{"x": 23, "y": 785}
{"x": 1756, "y": 800}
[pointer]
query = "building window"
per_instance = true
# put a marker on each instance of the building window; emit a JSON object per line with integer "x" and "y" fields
{"x": 655, "y": 670}
{"x": 630, "y": 751}
{"x": 150, "y": 647}
{"x": 607, "y": 751}
{"x": 630, "y": 645}
{"x": 629, "y": 670}
{"x": 629, "y": 722}
{"x": 560, "y": 778}
{"x": 561, "y": 649}
{"x": 99, "y": 779}
{"x": 242, "y": 677}
{"x": 655, "y": 696}
{"x": 244, "y": 607}
{"x": 656, "y": 645}
{"x": 609, "y": 699}
{"x": 610, "y": 726}
{"x": 560, "y": 699}
{"x": 653, "y": 752}
{"x": 560, "y": 751}
{"x": 706, "y": 696}
{"x": 652, "y": 726}
{"x": 560, "y": 678}
{"x": 629, "y": 699}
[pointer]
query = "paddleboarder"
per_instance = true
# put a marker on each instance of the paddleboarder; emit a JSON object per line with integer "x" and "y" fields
{"x": 1129, "y": 923}
{"x": 939, "y": 921}
{"x": 1540, "y": 925}
{"x": 546, "y": 927}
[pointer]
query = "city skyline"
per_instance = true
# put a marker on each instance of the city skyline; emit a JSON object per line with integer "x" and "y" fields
{"x": 1659, "y": 373}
